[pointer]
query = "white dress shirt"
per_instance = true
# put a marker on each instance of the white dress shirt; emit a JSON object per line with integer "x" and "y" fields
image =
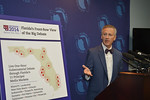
{"x": 109, "y": 63}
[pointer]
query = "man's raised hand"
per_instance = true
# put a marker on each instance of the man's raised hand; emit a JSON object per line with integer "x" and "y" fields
{"x": 87, "y": 70}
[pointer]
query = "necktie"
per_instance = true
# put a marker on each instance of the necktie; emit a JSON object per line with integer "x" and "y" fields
{"x": 107, "y": 50}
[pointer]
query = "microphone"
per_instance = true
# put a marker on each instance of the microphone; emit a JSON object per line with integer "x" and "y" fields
{"x": 140, "y": 65}
{"x": 139, "y": 55}
{"x": 129, "y": 63}
{"x": 132, "y": 57}
{"x": 136, "y": 55}
{"x": 127, "y": 55}
{"x": 143, "y": 54}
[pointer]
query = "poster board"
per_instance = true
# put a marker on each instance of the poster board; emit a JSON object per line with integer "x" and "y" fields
{"x": 33, "y": 65}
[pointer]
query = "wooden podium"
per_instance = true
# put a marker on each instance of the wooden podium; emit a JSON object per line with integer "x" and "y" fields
{"x": 128, "y": 86}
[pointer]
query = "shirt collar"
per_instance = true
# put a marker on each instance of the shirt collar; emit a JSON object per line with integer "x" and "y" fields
{"x": 104, "y": 47}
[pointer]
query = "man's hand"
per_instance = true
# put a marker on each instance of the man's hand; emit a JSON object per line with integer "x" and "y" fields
{"x": 87, "y": 70}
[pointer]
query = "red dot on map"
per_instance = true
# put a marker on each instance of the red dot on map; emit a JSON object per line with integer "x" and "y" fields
{"x": 44, "y": 50}
{"x": 30, "y": 50}
{"x": 16, "y": 51}
{"x": 42, "y": 56}
{"x": 48, "y": 65}
{"x": 42, "y": 69}
{"x": 42, "y": 72}
{"x": 58, "y": 84}
{"x": 21, "y": 53}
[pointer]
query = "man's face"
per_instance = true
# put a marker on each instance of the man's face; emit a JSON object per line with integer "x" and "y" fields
{"x": 108, "y": 36}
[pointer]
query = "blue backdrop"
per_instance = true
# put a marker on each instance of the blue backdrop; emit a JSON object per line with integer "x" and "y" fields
{"x": 81, "y": 21}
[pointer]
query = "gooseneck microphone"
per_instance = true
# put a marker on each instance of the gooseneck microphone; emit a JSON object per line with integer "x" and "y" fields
{"x": 131, "y": 64}
{"x": 140, "y": 56}
{"x": 131, "y": 57}
{"x": 141, "y": 62}
{"x": 143, "y": 54}
{"x": 136, "y": 62}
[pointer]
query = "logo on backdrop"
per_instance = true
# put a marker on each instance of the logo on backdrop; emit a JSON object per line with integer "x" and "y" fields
{"x": 1, "y": 9}
{"x": 120, "y": 8}
{"x": 11, "y": 28}
{"x": 83, "y": 5}
{"x": 119, "y": 43}
{"x": 82, "y": 42}
{"x": 59, "y": 15}
{"x": 102, "y": 21}
{"x": 81, "y": 85}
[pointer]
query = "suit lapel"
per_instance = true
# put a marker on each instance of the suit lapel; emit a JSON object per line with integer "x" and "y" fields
{"x": 114, "y": 63}
{"x": 102, "y": 58}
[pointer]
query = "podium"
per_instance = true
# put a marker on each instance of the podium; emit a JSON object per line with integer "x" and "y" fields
{"x": 127, "y": 86}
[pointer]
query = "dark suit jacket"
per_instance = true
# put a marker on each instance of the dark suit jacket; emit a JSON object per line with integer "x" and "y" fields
{"x": 97, "y": 64}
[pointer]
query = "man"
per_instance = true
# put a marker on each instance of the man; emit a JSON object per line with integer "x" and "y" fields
{"x": 103, "y": 63}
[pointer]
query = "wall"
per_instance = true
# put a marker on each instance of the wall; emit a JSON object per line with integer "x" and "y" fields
{"x": 139, "y": 16}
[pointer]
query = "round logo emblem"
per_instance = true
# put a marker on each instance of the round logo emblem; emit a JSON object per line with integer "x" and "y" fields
{"x": 82, "y": 42}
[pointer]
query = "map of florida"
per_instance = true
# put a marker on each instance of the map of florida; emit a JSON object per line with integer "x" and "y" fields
{"x": 46, "y": 70}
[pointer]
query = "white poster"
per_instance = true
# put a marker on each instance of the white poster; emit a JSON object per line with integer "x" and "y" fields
{"x": 33, "y": 70}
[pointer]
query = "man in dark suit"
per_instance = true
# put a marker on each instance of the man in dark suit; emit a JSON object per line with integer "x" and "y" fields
{"x": 103, "y": 63}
